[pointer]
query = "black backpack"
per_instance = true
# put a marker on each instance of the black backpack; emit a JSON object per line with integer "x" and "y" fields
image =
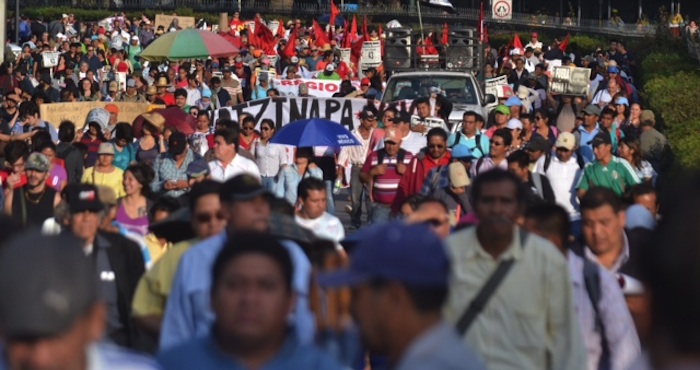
{"x": 548, "y": 160}
{"x": 381, "y": 155}
{"x": 477, "y": 140}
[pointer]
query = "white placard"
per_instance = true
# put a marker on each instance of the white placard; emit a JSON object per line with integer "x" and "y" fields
{"x": 345, "y": 55}
{"x": 120, "y": 77}
{"x": 371, "y": 54}
{"x": 502, "y": 9}
{"x": 274, "y": 26}
{"x": 273, "y": 60}
{"x": 50, "y": 58}
{"x": 251, "y": 26}
{"x": 553, "y": 63}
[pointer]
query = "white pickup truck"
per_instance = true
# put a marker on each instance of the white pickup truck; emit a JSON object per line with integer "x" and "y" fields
{"x": 460, "y": 88}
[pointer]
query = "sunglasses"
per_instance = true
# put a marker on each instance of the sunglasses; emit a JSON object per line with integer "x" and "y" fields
{"x": 497, "y": 143}
{"x": 204, "y": 218}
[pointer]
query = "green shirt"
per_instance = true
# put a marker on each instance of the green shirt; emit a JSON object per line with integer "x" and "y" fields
{"x": 618, "y": 176}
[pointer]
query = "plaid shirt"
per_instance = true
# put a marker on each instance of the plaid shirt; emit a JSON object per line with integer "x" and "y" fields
{"x": 435, "y": 180}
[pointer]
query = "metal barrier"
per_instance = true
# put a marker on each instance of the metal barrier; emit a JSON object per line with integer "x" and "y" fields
{"x": 382, "y": 12}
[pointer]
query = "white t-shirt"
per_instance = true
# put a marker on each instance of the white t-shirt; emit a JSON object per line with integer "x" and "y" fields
{"x": 325, "y": 227}
{"x": 564, "y": 177}
{"x": 238, "y": 166}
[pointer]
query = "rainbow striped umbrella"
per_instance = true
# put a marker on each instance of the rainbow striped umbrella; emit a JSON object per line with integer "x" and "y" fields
{"x": 188, "y": 44}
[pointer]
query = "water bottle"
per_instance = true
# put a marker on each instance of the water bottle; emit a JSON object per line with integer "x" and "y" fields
{"x": 338, "y": 186}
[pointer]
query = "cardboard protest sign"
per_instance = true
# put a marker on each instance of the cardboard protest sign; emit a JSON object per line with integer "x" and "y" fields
{"x": 283, "y": 110}
{"x": 317, "y": 88}
{"x": 371, "y": 54}
{"x": 167, "y": 20}
{"x": 50, "y": 58}
{"x": 570, "y": 81}
{"x": 498, "y": 86}
{"x": 55, "y": 113}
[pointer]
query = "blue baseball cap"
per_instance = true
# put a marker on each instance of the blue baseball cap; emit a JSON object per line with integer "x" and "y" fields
{"x": 613, "y": 69}
{"x": 461, "y": 152}
{"x": 514, "y": 101}
{"x": 622, "y": 101}
{"x": 394, "y": 251}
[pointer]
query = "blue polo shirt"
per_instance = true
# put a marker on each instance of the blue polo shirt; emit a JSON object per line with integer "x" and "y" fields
{"x": 204, "y": 353}
{"x": 586, "y": 149}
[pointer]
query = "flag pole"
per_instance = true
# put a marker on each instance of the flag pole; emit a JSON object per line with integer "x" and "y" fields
{"x": 420, "y": 23}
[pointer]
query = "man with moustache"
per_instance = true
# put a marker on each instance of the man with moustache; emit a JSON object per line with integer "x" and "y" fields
{"x": 525, "y": 318}
{"x": 34, "y": 202}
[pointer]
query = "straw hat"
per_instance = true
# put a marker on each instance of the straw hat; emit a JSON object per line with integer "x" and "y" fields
{"x": 162, "y": 82}
{"x": 156, "y": 119}
{"x": 152, "y": 90}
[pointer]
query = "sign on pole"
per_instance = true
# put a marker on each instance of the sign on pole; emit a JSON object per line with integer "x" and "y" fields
{"x": 345, "y": 55}
{"x": 502, "y": 9}
{"x": 570, "y": 81}
{"x": 371, "y": 54}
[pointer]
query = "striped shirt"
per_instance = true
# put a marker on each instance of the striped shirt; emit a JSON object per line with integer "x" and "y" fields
{"x": 385, "y": 186}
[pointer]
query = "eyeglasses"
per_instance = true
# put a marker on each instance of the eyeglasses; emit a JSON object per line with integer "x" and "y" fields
{"x": 497, "y": 143}
{"x": 435, "y": 146}
{"x": 204, "y": 218}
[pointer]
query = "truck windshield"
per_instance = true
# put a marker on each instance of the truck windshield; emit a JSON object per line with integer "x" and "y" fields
{"x": 457, "y": 89}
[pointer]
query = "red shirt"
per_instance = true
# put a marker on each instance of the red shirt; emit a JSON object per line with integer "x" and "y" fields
{"x": 385, "y": 186}
{"x": 5, "y": 174}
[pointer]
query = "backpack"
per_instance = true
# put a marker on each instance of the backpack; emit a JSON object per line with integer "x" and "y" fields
{"x": 591, "y": 279}
{"x": 579, "y": 160}
{"x": 381, "y": 155}
{"x": 477, "y": 140}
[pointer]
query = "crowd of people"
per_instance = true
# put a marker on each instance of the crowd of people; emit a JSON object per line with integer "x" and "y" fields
{"x": 518, "y": 240}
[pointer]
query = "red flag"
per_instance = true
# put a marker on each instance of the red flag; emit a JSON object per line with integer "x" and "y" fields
{"x": 517, "y": 43}
{"x": 365, "y": 32}
{"x": 264, "y": 36}
{"x": 321, "y": 38}
{"x": 445, "y": 35}
{"x": 334, "y": 13}
{"x": 281, "y": 30}
{"x": 482, "y": 24}
{"x": 565, "y": 43}
{"x": 353, "y": 29}
{"x": 346, "y": 36}
{"x": 379, "y": 33}
{"x": 290, "y": 49}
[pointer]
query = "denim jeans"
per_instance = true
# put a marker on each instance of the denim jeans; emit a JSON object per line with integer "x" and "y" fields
{"x": 330, "y": 202}
{"x": 358, "y": 195}
{"x": 381, "y": 213}
{"x": 269, "y": 184}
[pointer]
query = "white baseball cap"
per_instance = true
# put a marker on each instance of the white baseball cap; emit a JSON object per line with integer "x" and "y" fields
{"x": 514, "y": 123}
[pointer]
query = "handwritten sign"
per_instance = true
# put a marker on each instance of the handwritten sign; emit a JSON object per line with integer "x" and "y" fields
{"x": 55, "y": 113}
{"x": 570, "y": 81}
{"x": 371, "y": 54}
{"x": 345, "y": 55}
{"x": 167, "y": 20}
{"x": 50, "y": 58}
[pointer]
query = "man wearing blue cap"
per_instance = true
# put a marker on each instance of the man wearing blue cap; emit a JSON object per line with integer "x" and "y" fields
{"x": 399, "y": 279}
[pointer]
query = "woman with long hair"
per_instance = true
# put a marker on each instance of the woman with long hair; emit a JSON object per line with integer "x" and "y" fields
{"x": 132, "y": 211}
{"x": 542, "y": 127}
{"x": 247, "y": 136}
{"x": 292, "y": 175}
{"x": 622, "y": 111}
{"x": 89, "y": 90}
{"x": 633, "y": 127}
{"x": 630, "y": 150}
{"x": 149, "y": 145}
{"x": 270, "y": 158}
{"x": 92, "y": 139}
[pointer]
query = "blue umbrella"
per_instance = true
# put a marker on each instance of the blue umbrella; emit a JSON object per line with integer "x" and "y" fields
{"x": 315, "y": 132}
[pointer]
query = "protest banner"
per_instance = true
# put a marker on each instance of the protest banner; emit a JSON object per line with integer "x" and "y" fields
{"x": 283, "y": 110}
{"x": 167, "y": 20}
{"x": 570, "y": 81}
{"x": 371, "y": 55}
{"x": 55, "y": 113}
{"x": 317, "y": 88}
{"x": 553, "y": 63}
{"x": 498, "y": 86}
